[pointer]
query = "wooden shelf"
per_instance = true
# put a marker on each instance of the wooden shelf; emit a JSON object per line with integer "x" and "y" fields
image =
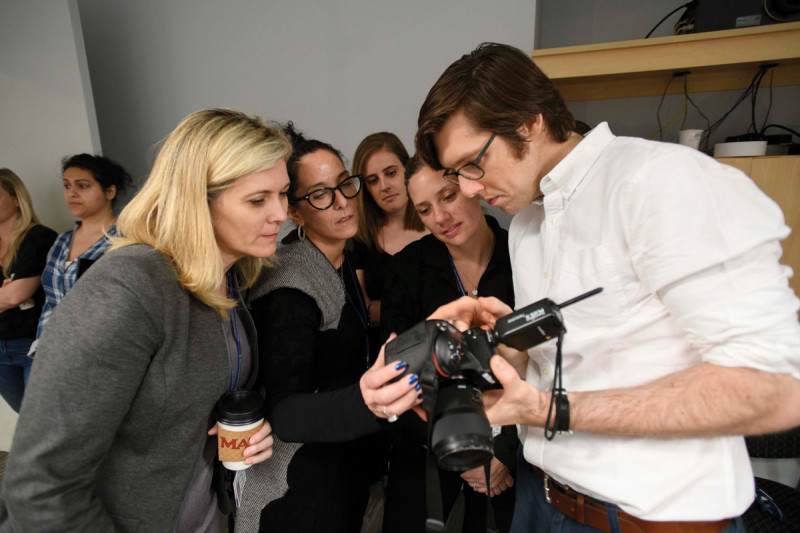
{"x": 716, "y": 61}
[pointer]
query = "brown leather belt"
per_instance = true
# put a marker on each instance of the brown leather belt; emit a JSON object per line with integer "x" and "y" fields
{"x": 593, "y": 513}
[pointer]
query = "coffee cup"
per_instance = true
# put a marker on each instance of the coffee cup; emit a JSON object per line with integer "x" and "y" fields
{"x": 690, "y": 138}
{"x": 240, "y": 414}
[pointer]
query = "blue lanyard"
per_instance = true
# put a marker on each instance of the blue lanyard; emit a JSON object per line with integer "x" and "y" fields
{"x": 360, "y": 309}
{"x": 234, "y": 386}
{"x": 458, "y": 278}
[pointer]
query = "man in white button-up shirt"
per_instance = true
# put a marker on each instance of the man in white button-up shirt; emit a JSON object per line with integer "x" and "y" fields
{"x": 694, "y": 340}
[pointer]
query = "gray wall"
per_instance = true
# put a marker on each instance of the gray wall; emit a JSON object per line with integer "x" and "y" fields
{"x": 578, "y": 22}
{"x": 339, "y": 70}
{"x": 46, "y": 111}
{"x": 46, "y": 106}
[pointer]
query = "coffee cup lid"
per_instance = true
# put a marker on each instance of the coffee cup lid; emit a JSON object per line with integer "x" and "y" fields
{"x": 239, "y": 406}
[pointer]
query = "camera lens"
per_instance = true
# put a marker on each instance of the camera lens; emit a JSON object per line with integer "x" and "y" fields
{"x": 461, "y": 437}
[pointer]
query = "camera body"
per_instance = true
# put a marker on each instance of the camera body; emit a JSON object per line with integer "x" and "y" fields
{"x": 453, "y": 368}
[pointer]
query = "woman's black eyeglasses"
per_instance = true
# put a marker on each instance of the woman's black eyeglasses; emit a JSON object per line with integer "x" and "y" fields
{"x": 324, "y": 197}
{"x": 470, "y": 171}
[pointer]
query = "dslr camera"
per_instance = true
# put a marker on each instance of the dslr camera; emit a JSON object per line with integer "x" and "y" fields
{"x": 453, "y": 368}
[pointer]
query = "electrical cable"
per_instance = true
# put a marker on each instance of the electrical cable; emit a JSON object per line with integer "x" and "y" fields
{"x": 697, "y": 108}
{"x": 682, "y": 111}
{"x": 687, "y": 4}
{"x": 753, "y": 99}
{"x": 790, "y": 130}
{"x": 658, "y": 110}
{"x": 769, "y": 107}
{"x": 685, "y": 107}
{"x": 711, "y": 129}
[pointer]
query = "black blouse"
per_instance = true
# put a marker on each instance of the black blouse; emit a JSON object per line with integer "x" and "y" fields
{"x": 420, "y": 279}
{"x": 374, "y": 263}
{"x": 30, "y": 262}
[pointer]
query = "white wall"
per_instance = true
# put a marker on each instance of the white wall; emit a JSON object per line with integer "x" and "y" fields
{"x": 340, "y": 70}
{"x": 46, "y": 110}
{"x": 578, "y": 22}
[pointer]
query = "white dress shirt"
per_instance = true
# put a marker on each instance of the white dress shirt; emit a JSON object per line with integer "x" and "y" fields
{"x": 686, "y": 250}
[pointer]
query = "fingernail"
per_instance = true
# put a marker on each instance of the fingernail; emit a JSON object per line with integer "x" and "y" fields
{"x": 418, "y": 386}
{"x": 414, "y": 378}
{"x": 401, "y": 365}
{"x": 420, "y": 396}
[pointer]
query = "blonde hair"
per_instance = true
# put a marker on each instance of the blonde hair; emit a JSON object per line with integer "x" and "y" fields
{"x": 25, "y": 218}
{"x": 207, "y": 153}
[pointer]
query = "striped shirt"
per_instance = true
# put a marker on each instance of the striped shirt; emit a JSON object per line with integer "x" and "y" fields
{"x": 59, "y": 274}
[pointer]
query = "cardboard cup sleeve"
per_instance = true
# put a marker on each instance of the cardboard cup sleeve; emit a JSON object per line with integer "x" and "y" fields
{"x": 231, "y": 444}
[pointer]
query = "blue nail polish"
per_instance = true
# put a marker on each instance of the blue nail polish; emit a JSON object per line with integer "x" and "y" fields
{"x": 418, "y": 386}
{"x": 400, "y": 366}
{"x": 420, "y": 396}
{"x": 414, "y": 378}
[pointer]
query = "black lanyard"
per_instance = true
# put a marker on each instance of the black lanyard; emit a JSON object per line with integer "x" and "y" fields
{"x": 232, "y": 385}
{"x": 458, "y": 278}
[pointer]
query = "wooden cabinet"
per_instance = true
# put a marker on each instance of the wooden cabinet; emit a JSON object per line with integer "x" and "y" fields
{"x": 715, "y": 61}
{"x": 779, "y": 178}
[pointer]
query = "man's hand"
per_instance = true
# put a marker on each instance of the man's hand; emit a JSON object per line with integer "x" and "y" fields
{"x": 466, "y": 312}
{"x": 518, "y": 402}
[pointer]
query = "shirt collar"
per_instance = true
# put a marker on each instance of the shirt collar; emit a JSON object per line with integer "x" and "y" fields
{"x": 568, "y": 173}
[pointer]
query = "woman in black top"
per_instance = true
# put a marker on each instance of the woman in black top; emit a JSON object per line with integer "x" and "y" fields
{"x": 311, "y": 318}
{"x": 387, "y": 220}
{"x": 24, "y": 244}
{"x": 465, "y": 255}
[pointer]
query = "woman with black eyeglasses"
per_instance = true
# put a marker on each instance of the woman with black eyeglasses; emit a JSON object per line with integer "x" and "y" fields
{"x": 324, "y": 389}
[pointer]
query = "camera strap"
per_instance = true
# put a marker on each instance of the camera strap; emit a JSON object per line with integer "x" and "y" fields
{"x": 490, "y": 525}
{"x": 455, "y": 521}
{"x": 558, "y": 410}
{"x": 433, "y": 492}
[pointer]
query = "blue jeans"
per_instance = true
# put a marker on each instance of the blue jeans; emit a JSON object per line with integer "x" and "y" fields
{"x": 532, "y": 513}
{"x": 15, "y": 367}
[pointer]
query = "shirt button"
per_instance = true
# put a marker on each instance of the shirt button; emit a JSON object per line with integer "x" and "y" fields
{"x": 545, "y": 275}
{"x": 546, "y": 371}
{"x": 565, "y": 190}
{"x": 553, "y": 221}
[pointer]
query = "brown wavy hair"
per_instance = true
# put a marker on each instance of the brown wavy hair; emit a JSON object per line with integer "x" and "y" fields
{"x": 371, "y": 217}
{"x": 499, "y": 88}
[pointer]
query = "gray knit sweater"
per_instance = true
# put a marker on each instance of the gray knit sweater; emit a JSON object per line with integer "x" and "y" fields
{"x": 118, "y": 403}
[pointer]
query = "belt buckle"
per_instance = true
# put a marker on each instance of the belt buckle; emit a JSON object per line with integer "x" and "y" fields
{"x": 546, "y": 478}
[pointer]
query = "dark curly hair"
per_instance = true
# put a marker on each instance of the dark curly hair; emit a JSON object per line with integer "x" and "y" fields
{"x": 105, "y": 171}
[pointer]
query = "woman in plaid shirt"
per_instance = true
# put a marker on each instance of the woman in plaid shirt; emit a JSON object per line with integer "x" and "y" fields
{"x": 91, "y": 187}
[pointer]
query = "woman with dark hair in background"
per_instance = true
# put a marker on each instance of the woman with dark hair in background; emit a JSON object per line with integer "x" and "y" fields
{"x": 324, "y": 400}
{"x": 387, "y": 220}
{"x": 466, "y": 254}
{"x": 92, "y": 184}
{"x": 24, "y": 243}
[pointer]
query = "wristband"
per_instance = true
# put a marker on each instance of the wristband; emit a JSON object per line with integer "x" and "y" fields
{"x": 561, "y": 422}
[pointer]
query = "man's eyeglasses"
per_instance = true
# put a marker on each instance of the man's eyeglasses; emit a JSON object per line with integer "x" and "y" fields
{"x": 324, "y": 197}
{"x": 470, "y": 171}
